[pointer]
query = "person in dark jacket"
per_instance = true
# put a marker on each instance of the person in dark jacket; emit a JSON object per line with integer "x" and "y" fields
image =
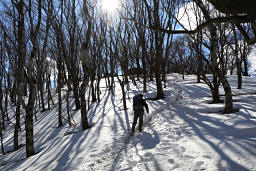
{"x": 138, "y": 107}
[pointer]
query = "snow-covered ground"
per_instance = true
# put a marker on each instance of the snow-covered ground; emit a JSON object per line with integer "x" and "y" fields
{"x": 181, "y": 132}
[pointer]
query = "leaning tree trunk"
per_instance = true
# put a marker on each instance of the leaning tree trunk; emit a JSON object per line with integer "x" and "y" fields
{"x": 228, "y": 94}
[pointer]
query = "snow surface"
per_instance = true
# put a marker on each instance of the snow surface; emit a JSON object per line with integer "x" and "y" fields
{"x": 181, "y": 132}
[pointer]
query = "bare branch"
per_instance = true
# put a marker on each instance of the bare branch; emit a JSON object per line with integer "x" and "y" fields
{"x": 228, "y": 19}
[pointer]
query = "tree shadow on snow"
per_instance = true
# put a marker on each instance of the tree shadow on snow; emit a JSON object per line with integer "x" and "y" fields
{"x": 224, "y": 133}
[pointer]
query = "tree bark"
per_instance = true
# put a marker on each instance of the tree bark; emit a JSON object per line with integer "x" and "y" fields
{"x": 1, "y": 136}
{"x": 67, "y": 102}
{"x": 228, "y": 94}
{"x": 84, "y": 119}
{"x": 20, "y": 69}
{"x": 29, "y": 121}
{"x": 2, "y": 124}
{"x": 238, "y": 61}
{"x": 75, "y": 91}
{"x": 41, "y": 94}
{"x": 94, "y": 99}
{"x": 59, "y": 67}
{"x": 158, "y": 55}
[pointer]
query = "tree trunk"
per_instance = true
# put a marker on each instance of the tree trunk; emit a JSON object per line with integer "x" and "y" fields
{"x": 1, "y": 105}
{"x": 41, "y": 94}
{"x": 6, "y": 105}
{"x": 112, "y": 68}
{"x": 49, "y": 91}
{"x": 19, "y": 75}
{"x": 122, "y": 84}
{"x": 228, "y": 94}
{"x": 239, "y": 74}
{"x": 75, "y": 90}
{"x": 213, "y": 50}
{"x": 199, "y": 57}
{"x": 238, "y": 61}
{"x": 245, "y": 66}
{"x": 85, "y": 124}
{"x": 48, "y": 94}
{"x": 98, "y": 88}
{"x": 59, "y": 93}
{"x": 214, "y": 56}
{"x": 124, "y": 96}
{"x": 94, "y": 99}
{"x": 38, "y": 98}
{"x": 29, "y": 120}
{"x": 16, "y": 127}
{"x": 137, "y": 67}
{"x": 199, "y": 68}
{"x": 158, "y": 55}
{"x": 13, "y": 93}
{"x": 144, "y": 55}
{"x": 1, "y": 136}
{"x": 67, "y": 102}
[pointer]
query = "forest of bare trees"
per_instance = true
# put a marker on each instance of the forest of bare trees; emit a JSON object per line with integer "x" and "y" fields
{"x": 47, "y": 45}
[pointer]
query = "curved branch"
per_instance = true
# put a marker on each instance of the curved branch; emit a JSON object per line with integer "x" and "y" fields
{"x": 228, "y": 19}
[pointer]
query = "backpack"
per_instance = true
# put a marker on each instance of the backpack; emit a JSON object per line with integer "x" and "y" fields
{"x": 137, "y": 103}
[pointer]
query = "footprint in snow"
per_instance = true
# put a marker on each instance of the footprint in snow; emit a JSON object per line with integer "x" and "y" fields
{"x": 175, "y": 167}
{"x": 148, "y": 154}
{"x": 166, "y": 143}
{"x": 207, "y": 157}
{"x": 199, "y": 163}
{"x": 171, "y": 160}
{"x": 164, "y": 148}
{"x": 189, "y": 157}
{"x": 183, "y": 149}
{"x": 171, "y": 137}
{"x": 133, "y": 163}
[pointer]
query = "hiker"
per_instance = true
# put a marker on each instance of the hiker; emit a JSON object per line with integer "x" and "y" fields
{"x": 138, "y": 104}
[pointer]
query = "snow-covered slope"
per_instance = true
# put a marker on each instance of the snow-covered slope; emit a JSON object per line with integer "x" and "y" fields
{"x": 252, "y": 59}
{"x": 181, "y": 132}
